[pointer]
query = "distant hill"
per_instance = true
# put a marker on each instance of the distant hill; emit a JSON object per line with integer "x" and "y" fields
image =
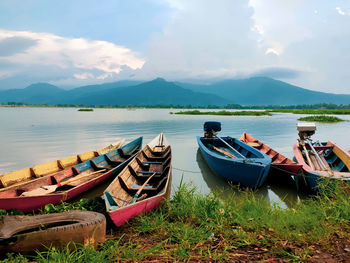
{"x": 251, "y": 91}
{"x": 155, "y": 92}
{"x": 266, "y": 91}
{"x": 40, "y": 93}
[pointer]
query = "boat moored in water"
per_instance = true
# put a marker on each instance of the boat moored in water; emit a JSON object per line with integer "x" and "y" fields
{"x": 279, "y": 161}
{"x": 320, "y": 161}
{"x": 68, "y": 183}
{"x": 143, "y": 184}
{"x": 233, "y": 159}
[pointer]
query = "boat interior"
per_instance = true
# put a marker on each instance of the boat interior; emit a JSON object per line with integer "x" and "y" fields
{"x": 276, "y": 157}
{"x": 220, "y": 147}
{"x": 331, "y": 158}
{"x": 76, "y": 175}
{"x": 37, "y": 171}
{"x": 155, "y": 162}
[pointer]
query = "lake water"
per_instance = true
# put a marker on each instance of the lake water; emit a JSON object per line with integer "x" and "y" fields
{"x": 30, "y": 136}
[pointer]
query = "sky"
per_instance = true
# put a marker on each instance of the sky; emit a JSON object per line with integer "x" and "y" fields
{"x": 74, "y": 43}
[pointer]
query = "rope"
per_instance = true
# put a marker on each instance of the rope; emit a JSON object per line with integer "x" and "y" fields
{"x": 187, "y": 171}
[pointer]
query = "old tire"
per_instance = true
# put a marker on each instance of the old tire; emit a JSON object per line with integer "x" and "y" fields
{"x": 29, "y": 233}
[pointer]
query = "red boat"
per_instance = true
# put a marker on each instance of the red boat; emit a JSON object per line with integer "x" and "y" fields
{"x": 143, "y": 184}
{"x": 68, "y": 183}
{"x": 279, "y": 161}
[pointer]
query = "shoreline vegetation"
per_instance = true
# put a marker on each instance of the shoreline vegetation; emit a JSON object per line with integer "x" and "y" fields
{"x": 321, "y": 118}
{"x": 224, "y": 113}
{"x": 86, "y": 109}
{"x": 242, "y": 226}
{"x": 296, "y": 109}
{"x": 314, "y": 111}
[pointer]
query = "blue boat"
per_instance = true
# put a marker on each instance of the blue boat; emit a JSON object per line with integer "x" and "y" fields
{"x": 324, "y": 162}
{"x": 233, "y": 159}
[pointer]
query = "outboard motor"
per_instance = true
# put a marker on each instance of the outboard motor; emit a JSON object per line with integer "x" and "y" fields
{"x": 211, "y": 128}
{"x": 306, "y": 130}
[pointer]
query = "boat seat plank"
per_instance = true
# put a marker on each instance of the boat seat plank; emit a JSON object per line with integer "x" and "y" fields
{"x": 82, "y": 167}
{"x": 148, "y": 172}
{"x": 254, "y": 144}
{"x": 154, "y": 162}
{"x": 100, "y": 164}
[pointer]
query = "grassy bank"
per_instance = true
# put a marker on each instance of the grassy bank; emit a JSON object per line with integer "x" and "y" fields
{"x": 314, "y": 111}
{"x": 321, "y": 118}
{"x": 193, "y": 227}
{"x": 224, "y": 113}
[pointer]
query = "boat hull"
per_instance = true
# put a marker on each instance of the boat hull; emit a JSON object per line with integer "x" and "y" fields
{"x": 143, "y": 184}
{"x": 123, "y": 215}
{"x": 249, "y": 172}
{"x": 35, "y": 203}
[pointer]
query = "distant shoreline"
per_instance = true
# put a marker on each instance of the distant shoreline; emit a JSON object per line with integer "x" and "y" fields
{"x": 194, "y": 110}
{"x": 295, "y": 109}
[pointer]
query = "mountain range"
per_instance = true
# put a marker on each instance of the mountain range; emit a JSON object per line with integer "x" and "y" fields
{"x": 251, "y": 91}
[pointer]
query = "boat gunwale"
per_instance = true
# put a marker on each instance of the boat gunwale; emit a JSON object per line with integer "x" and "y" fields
{"x": 252, "y": 161}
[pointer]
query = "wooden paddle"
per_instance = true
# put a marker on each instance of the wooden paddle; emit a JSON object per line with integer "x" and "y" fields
{"x": 308, "y": 157}
{"x": 231, "y": 147}
{"x": 317, "y": 156}
{"x": 224, "y": 152}
{"x": 48, "y": 189}
{"x": 139, "y": 191}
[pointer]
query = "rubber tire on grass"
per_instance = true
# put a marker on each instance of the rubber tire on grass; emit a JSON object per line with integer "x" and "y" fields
{"x": 31, "y": 233}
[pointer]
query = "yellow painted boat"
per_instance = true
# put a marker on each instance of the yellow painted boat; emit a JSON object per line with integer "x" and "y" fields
{"x": 18, "y": 177}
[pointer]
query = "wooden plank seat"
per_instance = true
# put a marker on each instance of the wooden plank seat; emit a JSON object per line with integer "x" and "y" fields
{"x": 150, "y": 189}
{"x": 159, "y": 153}
{"x": 143, "y": 175}
{"x": 122, "y": 154}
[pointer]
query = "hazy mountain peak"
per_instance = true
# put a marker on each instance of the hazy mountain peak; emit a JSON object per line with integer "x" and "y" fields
{"x": 42, "y": 86}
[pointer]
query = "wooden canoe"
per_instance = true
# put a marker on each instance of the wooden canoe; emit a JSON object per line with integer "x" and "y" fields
{"x": 154, "y": 159}
{"x": 249, "y": 168}
{"x": 336, "y": 160}
{"x": 279, "y": 161}
{"x": 27, "y": 174}
{"x": 26, "y": 234}
{"x": 87, "y": 174}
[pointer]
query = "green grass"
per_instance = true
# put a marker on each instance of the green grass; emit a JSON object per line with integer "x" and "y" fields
{"x": 321, "y": 118}
{"x": 314, "y": 111}
{"x": 225, "y": 113}
{"x": 200, "y": 227}
{"x": 86, "y": 109}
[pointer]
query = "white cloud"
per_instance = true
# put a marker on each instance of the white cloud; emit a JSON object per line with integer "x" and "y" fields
{"x": 341, "y": 12}
{"x": 92, "y": 59}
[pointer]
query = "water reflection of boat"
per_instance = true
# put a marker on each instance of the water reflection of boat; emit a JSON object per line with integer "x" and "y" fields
{"x": 284, "y": 187}
{"x": 281, "y": 186}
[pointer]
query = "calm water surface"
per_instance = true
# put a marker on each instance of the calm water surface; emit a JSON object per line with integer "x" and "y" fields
{"x": 30, "y": 136}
